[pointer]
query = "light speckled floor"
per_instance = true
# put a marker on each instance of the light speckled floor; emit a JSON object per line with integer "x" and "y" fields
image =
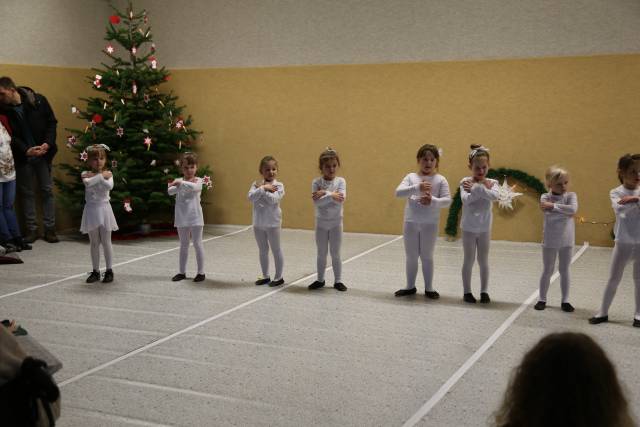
{"x": 147, "y": 351}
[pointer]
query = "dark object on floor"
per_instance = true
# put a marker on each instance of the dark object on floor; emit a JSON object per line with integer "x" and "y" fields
{"x": 10, "y": 259}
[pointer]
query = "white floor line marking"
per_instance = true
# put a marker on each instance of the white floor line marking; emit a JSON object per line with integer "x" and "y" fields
{"x": 75, "y": 276}
{"x": 111, "y": 417}
{"x": 170, "y": 389}
{"x": 212, "y": 318}
{"x": 428, "y": 406}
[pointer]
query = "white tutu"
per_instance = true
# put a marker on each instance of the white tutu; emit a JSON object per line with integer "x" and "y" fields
{"x": 95, "y": 215}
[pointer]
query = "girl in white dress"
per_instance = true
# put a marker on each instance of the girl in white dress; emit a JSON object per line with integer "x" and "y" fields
{"x": 559, "y": 207}
{"x": 97, "y": 217}
{"x": 625, "y": 201}
{"x": 267, "y": 219}
{"x": 328, "y": 193}
{"x": 427, "y": 192}
{"x": 478, "y": 194}
{"x": 188, "y": 215}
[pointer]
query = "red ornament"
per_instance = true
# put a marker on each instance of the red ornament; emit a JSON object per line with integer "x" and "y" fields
{"x": 167, "y": 78}
{"x": 97, "y": 118}
{"x": 114, "y": 19}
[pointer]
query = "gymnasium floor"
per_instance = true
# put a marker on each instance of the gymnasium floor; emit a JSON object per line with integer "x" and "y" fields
{"x": 145, "y": 351}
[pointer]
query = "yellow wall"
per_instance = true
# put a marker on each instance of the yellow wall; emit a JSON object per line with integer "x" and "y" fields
{"x": 580, "y": 112}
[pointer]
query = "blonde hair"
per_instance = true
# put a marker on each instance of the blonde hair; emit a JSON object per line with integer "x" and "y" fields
{"x": 328, "y": 154}
{"x": 97, "y": 151}
{"x": 265, "y": 160}
{"x": 554, "y": 174}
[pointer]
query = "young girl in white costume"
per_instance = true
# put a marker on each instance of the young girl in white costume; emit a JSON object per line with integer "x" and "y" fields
{"x": 625, "y": 201}
{"x": 559, "y": 207}
{"x": 328, "y": 193}
{"x": 188, "y": 215}
{"x": 477, "y": 193}
{"x": 427, "y": 192}
{"x": 267, "y": 219}
{"x": 97, "y": 216}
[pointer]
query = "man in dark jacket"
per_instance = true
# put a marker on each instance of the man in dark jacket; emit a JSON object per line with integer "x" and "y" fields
{"x": 34, "y": 146}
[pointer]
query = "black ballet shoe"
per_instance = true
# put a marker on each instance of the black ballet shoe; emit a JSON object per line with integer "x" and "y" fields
{"x": 108, "y": 276}
{"x": 199, "y": 278}
{"x": 540, "y": 305}
{"x": 595, "y": 319}
{"x": 274, "y": 283}
{"x": 484, "y": 298}
{"x": 432, "y": 294}
{"x": 469, "y": 298}
{"x": 340, "y": 286}
{"x": 565, "y": 306}
{"x": 404, "y": 292}
{"x": 178, "y": 277}
{"x": 636, "y": 323}
{"x": 264, "y": 281}
{"x": 93, "y": 277}
{"x": 316, "y": 285}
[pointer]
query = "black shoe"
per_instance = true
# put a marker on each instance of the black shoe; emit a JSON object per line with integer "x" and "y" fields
{"x": 50, "y": 236}
{"x": 540, "y": 305}
{"x": 636, "y": 323}
{"x": 404, "y": 292}
{"x": 199, "y": 278}
{"x": 264, "y": 281}
{"x": 93, "y": 277}
{"x": 316, "y": 285}
{"x": 275, "y": 283}
{"x": 178, "y": 277}
{"x": 10, "y": 247}
{"x": 340, "y": 286}
{"x": 469, "y": 298}
{"x": 19, "y": 242}
{"x": 431, "y": 294}
{"x": 595, "y": 319}
{"x": 484, "y": 298}
{"x": 565, "y": 306}
{"x": 108, "y": 276}
{"x": 32, "y": 236}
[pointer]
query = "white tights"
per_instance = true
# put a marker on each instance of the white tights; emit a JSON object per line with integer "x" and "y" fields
{"x": 622, "y": 253}
{"x": 548, "y": 264}
{"x": 100, "y": 236}
{"x": 266, "y": 237}
{"x": 196, "y": 235}
{"x": 471, "y": 241}
{"x": 419, "y": 242}
{"x": 331, "y": 238}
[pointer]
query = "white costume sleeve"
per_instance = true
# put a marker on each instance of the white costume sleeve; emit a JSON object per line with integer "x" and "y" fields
{"x": 443, "y": 199}
{"x": 407, "y": 189}
{"x": 628, "y": 210}
{"x": 570, "y": 208}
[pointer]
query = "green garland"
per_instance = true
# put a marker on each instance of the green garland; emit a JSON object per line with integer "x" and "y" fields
{"x": 454, "y": 211}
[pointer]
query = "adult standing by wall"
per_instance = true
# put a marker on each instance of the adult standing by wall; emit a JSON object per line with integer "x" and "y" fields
{"x": 10, "y": 237}
{"x": 34, "y": 146}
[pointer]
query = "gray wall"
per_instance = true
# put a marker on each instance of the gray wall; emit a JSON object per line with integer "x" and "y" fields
{"x": 229, "y": 33}
{"x": 65, "y": 33}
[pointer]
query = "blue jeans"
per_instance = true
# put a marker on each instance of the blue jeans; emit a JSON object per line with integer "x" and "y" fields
{"x": 8, "y": 221}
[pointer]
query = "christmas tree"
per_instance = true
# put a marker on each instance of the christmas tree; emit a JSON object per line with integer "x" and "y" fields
{"x": 143, "y": 127}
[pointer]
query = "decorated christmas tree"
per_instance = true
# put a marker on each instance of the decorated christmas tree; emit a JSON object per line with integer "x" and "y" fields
{"x": 143, "y": 127}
